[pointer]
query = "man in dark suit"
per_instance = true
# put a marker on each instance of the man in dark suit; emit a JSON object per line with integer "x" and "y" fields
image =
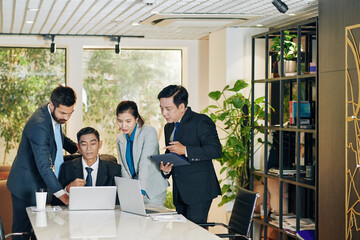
{"x": 40, "y": 154}
{"x": 193, "y": 135}
{"x": 76, "y": 172}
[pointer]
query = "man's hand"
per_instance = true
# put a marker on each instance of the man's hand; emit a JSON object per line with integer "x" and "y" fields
{"x": 165, "y": 168}
{"x": 176, "y": 147}
{"x": 76, "y": 183}
{"x": 65, "y": 199}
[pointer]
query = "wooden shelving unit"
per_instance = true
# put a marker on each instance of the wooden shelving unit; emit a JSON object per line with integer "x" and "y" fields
{"x": 294, "y": 146}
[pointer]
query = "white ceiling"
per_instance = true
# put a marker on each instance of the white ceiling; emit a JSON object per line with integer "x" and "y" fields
{"x": 184, "y": 19}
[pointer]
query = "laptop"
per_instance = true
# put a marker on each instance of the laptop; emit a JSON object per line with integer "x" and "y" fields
{"x": 131, "y": 199}
{"x": 92, "y": 198}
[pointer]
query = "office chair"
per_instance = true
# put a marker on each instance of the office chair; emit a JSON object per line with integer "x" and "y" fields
{"x": 105, "y": 157}
{"x": 241, "y": 216}
{"x": 3, "y": 236}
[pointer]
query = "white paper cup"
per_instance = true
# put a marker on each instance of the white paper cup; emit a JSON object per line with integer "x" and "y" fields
{"x": 41, "y": 200}
{"x": 41, "y": 220}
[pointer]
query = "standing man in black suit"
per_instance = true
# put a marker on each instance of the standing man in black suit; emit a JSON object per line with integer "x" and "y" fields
{"x": 194, "y": 136}
{"x": 89, "y": 169}
{"x": 40, "y": 155}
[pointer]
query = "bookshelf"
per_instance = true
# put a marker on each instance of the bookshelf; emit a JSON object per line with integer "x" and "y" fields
{"x": 290, "y": 147}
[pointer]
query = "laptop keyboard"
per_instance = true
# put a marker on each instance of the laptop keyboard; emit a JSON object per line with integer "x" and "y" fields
{"x": 149, "y": 211}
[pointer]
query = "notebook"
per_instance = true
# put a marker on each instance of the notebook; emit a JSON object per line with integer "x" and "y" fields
{"x": 92, "y": 198}
{"x": 173, "y": 158}
{"x": 131, "y": 199}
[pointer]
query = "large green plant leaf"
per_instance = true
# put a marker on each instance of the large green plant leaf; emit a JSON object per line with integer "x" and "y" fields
{"x": 239, "y": 84}
{"x": 238, "y": 102}
{"x": 215, "y": 95}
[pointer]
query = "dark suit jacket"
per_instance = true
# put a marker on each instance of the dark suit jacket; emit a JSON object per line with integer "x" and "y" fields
{"x": 196, "y": 182}
{"x": 32, "y": 167}
{"x": 73, "y": 169}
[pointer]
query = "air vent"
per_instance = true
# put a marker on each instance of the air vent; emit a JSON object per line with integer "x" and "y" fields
{"x": 198, "y": 20}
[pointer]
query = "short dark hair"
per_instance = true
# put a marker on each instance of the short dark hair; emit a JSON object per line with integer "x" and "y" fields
{"x": 86, "y": 131}
{"x": 130, "y": 106}
{"x": 179, "y": 92}
{"x": 63, "y": 95}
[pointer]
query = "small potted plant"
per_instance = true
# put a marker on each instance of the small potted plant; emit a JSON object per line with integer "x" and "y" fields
{"x": 290, "y": 52}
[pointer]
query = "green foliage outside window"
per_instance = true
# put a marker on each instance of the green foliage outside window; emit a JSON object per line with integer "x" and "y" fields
{"x": 137, "y": 75}
{"x": 27, "y": 77}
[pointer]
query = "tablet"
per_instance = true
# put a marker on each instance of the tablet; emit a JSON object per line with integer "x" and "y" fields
{"x": 173, "y": 158}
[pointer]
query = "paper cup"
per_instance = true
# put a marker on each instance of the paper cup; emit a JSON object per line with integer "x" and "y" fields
{"x": 41, "y": 200}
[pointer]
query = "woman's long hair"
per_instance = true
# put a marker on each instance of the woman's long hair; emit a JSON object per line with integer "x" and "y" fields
{"x": 131, "y": 107}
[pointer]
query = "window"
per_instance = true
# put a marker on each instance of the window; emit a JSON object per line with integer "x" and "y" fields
{"x": 27, "y": 77}
{"x": 137, "y": 75}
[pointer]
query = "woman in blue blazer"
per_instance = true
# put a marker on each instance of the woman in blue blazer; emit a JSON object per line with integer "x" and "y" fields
{"x": 135, "y": 144}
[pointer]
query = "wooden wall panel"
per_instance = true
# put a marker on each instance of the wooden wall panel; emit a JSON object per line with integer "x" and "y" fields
{"x": 334, "y": 16}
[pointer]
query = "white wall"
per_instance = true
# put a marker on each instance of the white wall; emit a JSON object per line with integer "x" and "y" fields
{"x": 230, "y": 60}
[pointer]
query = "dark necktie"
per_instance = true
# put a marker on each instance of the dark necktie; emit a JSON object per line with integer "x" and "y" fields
{"x": 129, "y": 156}
{"x": 175, "y": 130}
{"x": 88, "y": 178}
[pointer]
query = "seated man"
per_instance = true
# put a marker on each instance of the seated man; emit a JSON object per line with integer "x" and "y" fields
{"x": 89, "y": 169}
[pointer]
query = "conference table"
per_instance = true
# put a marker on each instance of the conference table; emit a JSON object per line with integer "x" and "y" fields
{"x": 59, "y": 223}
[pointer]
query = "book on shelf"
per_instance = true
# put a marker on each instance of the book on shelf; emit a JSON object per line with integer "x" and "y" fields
{"x": 289, "y": 224}
{"x": 285, "y": 216}
{"x": 306, "y": 234}
{"x": 286, "y": 172}
{"x": 305, "y": 113}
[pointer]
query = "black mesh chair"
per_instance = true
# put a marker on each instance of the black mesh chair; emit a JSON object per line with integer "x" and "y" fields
{"x": 241, "y": 216}
{"x": 3, "y": 236}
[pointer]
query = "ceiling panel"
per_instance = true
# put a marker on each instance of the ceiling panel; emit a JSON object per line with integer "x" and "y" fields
{"x": 119, "y": 17}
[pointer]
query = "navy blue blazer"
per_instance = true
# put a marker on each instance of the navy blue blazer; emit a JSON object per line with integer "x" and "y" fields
{"x": 196, "y": 182}
{"x": 32, "y": 166}
{"x": 73, "y": 169}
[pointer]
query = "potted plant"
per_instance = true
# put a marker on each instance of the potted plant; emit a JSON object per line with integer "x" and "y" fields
{"x": 290, "y": 52}
{"x": 232, "y": 115}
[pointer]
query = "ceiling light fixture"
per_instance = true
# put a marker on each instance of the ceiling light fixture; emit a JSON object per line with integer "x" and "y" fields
{"x": 280, "y": 6}
{"x": 117, "y": 45}
{"x": 53, "y": 45}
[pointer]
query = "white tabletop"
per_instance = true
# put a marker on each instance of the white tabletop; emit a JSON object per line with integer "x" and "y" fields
{"x": 109, "y": 224}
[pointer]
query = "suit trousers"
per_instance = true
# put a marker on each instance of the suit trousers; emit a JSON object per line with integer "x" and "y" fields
{"x": 21, "y": 221}
{"x": 196, "y": 212}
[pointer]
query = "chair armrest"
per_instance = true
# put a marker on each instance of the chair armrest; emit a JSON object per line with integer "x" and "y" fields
{"x": 232, "y": 235}
{"x": 17, "y": 234}
{"x": 213, "y": 224}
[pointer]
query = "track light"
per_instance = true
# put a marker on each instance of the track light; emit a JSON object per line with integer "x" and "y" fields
{"x": 53, "y": 45}
{"x": 117, "y": 46}
{"x": 280, "y": 5}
